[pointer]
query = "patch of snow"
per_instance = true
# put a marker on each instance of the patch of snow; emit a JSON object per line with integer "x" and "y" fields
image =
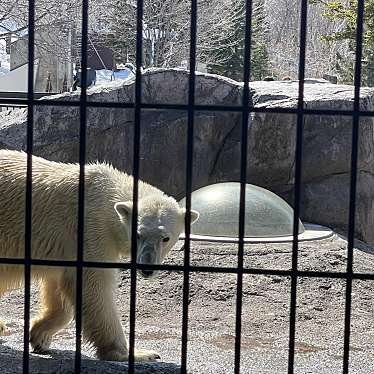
{"x": 3, "y": 71}
{"x": 7, "y": 25}
{"x": 4, "y": 60}
{"x": 105, "y": 75}
{"x": 5, "y": 67}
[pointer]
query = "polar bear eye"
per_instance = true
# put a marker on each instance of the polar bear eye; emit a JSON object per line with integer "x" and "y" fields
{"x": 165, "y": 240}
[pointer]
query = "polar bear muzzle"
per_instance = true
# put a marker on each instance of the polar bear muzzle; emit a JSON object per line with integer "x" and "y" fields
{"x": 149, "y": 254}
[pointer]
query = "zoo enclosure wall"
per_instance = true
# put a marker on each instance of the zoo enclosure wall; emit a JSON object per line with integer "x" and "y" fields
{"x": 245, "y": 109}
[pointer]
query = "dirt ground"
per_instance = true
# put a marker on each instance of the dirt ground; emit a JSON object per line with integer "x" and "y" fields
{"x": 265, "y": 316}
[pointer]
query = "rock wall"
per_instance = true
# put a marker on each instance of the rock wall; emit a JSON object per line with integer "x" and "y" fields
{"x": 271, "y": 139}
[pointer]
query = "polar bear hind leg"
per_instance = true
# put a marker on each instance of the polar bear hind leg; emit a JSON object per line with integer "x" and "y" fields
{"x": 55, "y": 313}
{"x": 2, "y": 324}
{"x": 10, "y": 278}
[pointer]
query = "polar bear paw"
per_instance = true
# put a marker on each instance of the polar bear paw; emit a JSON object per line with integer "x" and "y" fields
{"x": 2, "y": 328}
{"x": 146, "y": 355}
{"x": 40, "y": 340}
{"x": 141, "y": 355}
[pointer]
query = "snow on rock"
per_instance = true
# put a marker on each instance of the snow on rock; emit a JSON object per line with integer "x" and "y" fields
{"x": 105, "y": 75}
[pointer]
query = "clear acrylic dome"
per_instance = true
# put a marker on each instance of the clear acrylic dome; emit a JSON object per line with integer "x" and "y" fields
{"x": 266, "y": 214}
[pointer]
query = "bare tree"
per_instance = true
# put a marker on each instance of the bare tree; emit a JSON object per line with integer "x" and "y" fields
{"x": 284, "y": 21}
{"x": 54, "y": 20}
{"x": 166, "y": 29}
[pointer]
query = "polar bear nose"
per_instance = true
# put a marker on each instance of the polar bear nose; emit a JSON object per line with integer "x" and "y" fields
{"x": 148, "y": 256}
{"x": 147, "y": 273}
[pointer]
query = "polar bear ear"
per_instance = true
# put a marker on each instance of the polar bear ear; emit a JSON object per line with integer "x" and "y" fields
{"x": 124, "y": 209}
{"x": 194, "y": 215}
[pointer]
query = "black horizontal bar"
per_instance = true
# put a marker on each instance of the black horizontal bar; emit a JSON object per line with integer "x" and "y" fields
{"x": 15, "y": 95}
{"x": 191, "y": 268}
{"x": 197, "y": 107}
{"x": 16, "y": 105}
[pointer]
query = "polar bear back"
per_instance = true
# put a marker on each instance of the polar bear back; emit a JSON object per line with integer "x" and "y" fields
{"x": 55, "y": 205}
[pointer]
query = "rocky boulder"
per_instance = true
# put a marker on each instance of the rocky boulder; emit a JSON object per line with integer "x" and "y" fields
{"x": 271, "y": 141}
{"x": 327, "y": 144}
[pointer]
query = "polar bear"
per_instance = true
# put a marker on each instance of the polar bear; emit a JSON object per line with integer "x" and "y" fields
{"x": 107, "y": 237}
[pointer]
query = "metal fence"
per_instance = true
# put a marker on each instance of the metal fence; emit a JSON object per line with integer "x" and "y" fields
{"x": 191, "y": 107}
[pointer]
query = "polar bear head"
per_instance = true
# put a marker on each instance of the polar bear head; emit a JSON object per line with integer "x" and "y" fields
{"x": 160, "y": 222}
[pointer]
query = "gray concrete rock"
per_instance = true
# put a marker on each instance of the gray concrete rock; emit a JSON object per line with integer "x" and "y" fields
{"x": 327, "y": 144}
{"x": 271, "y": 148}
{"x": 110, "y": 132}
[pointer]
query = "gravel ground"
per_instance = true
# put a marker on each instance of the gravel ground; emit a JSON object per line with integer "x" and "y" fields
{"x": 265, "y": 317}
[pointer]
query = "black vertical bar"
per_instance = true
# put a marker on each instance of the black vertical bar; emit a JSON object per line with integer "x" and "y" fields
{"x": 81, "y": 192}
{"x": 243, "y": 180}
{"x": 353, "y": 184}
{"x": 136, "y": 162}
{"x": 28, "y": 208}
{"x": 190, "y": 134}
{"x": 298, "y": 165}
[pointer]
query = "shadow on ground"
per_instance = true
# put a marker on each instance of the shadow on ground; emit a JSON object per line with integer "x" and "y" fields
{"x": 62, "y": 362}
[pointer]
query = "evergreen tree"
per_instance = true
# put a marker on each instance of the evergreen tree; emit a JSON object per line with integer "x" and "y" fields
{"x": 229, "y": 57}
{"x": 347, "y": 11}
{"x": 259, "y": 56}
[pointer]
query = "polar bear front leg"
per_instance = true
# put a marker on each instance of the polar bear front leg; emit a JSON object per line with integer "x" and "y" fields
{"x": 100, "y": 320}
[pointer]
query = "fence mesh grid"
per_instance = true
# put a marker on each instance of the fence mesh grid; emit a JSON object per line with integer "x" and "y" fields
{"x": 246, "y": 108}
